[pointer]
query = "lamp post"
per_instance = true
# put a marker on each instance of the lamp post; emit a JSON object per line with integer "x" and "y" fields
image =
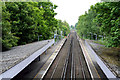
{"x": 61, "y": 34}
{"x": 95, "y": 36}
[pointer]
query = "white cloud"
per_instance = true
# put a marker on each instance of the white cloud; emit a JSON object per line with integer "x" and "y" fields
{"x": 70, "y": 10}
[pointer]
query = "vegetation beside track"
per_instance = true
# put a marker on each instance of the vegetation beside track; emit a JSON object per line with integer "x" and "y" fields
{"x": 102, "y": 20}
{"x": 26, "y": 22}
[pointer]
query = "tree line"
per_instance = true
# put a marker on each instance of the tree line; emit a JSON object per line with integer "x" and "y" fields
{"x": 102, "y": 20}
{"x": 25, "y": 22}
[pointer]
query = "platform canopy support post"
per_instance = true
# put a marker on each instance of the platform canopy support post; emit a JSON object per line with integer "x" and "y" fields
{"x": 39, "y": 58}
{"x": 45, "y": 52}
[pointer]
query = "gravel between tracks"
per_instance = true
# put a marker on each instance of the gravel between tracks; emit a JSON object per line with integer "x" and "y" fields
{"x": 19, "y": 53}
{"x": 65, "y": 66}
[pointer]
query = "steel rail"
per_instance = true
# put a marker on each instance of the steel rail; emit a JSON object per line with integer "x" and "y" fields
{"x": 64, "y": 69}
{"x": 55, "y": 68}
{"x": 73, "y": 64}
{"x": 73, "y": 61}
{"x": 80, "y": 60}
{"x": 70, "y": 63}
{"x": 66, "y": 64}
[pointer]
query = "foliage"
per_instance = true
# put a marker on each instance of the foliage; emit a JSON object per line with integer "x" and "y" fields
{"x": 8, "y": 38}
{"x": 102, "y": 19}
{"x": 29, "y": 19}
{"x": 25, "y": 22}
{"x": 109, "y": 18}
{"x": 64, "y": 27}
{"x": 48, "y": 16}
{"x": 72, "y": 27}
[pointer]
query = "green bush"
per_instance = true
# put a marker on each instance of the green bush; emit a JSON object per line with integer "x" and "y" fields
{"x": 102, "y": 19}
{"x": 23, "y": 22}
{"x": 8, "y": 39}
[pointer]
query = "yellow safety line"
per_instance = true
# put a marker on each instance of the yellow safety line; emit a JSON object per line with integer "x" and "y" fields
{"x": 91, "y": 61}
{"x": 44, "y": 64}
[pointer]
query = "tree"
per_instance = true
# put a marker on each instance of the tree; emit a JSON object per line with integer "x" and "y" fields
{"x": 48, "y": 16}
{"x": 64, "y": 27}
{"x": 109, "y": 18}
{"x": 102, "y": 19}
{"x": 8, "y": 39}
{"x": 25, "y": 22}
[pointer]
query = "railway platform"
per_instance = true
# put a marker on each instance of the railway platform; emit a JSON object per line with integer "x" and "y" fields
{"x": 71, "y": 58}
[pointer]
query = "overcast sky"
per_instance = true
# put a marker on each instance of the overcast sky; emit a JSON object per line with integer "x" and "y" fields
{"x": 70, "y": 10}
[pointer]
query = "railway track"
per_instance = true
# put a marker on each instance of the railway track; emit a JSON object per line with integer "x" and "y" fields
{"x": 70, "y": 62}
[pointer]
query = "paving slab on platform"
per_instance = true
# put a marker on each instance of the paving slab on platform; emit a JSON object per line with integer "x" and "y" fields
{"x": 96, "y": 67}
{"x": 17, "y": 54}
